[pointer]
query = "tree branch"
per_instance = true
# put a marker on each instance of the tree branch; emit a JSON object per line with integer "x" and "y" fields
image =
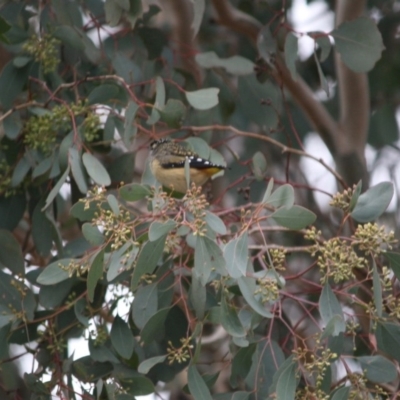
{"x": 346, "y": 146}
{"x": 354, "y": 102}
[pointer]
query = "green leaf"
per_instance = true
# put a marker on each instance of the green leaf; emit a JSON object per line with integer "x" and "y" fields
{"x": 355, "y": 196}
{"x": 215, "y": 223}
{"x": 203, "y": 99}
{"x": 342, "y": 393}
{"x": 282, "y": 197}
{"x": 20, "y": 171}
{"x": 329, "y": 308}
{"x": 251, "y": 94}
{"x": 146, "y": 365}
{"x": 235, "y": 65}
{"x": 130, "y": 129}
{"x": 388, "y": 339}
{"x": 198, "y": 296}
{"x": 322, "y": 78}
{"x": 248, "y": 287}
{"x": 145, "y": 304}
{"x": 287, "y": 382}
{"x": 296, "y": 217}
{"x": 159, "y": 102}
{"x": 268, "y": 192}
{"x": 197, "y": 386}
{"x": 122, "y": 338}
{"x": 81, "y": 312}
{"x": 16, "y": 301}
{"x": 12, "y": 209}
{"x": 383, "y": 129}
{"x": 12, "y": 82}
{"x": 56, "y": 189}
{"x": 199, "y": 7}
{"x": 92, "y": 234}
{"x": 259, "y": 164}
{"x": 147, "y": 261}
{"x": 121, "y": 260}
{"x": 241, "y": 364}
{"x": 236, "y": 255}
{"x": 113, "y": 203}
{"x": 291, "y": 49}
{"x": 377, "y": 289}
{"x": 207, "y": 257}
{"x": 173, "y": 113}
{"x": 154, "y": 328}
{"x": 113, "y": 12}
{"x": 10, "y": 253}
{"x": 103, "y": 94}
{"x": 43, "y": 230}
{"x": 359, "y": 43}
{"x": 124, "y": 4}
{"x": 77, "y": 169}
{"x": 154, "y": 40}
{"x": 266, "y": 45}
{"x": 96, "y": 170}
{"x": 71, "y": 36}
{"x": 230, "y": 320}
{"x": 53, "y": 273}
{"x": 135, "y": 11}
{"x": 12, "y": 125}
{"x": 158, "y": 229}
{"x": 88, "y": 370}
{"x": 95, "y": 274}
{"x": 394, "y": 260}
{"x": 378, "y": 369}
{"x": 324, "y": 44}
{"x": 134, "y": 192}
{"x": 373, "y": 203}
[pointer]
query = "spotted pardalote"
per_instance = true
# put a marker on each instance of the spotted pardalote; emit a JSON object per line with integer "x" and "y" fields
{"x": 167, "y": 162}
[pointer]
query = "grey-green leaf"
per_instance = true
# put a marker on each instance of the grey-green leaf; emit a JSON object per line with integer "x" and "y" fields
{"x": 282, "y": 197}
{"x": 215, "y": 223}
{"x": 147, "y": 260}
{"x": 296, "y": 217}
{"x": 122, "y": 338}
{"x": 378, "y": 369}
{"x": 96, "y": 170}
{"x": 54, "y": 272}
{"x": 203, "y": 99}
{"x": 197, "y": 386}
{"x": 235, "y": 65}
{"x": 10, "y": 253}
{"x": 373, "y": 202}
{"x": 230, "y": 320}
{"x": 377, "y": 289}
{"x": 259, "y": 164}
{"x": 207, "y": 257}
{"x": 95, "y": 274}
{"x": 92, "y": 234}
{"x": 146, "y": 365}
{"x": 236, "y": 255}
{"x": 145, "y": 304}
{"x": 134, "y": 192}
{"x": 158, "y": 229}
{"x": 248, "y": 287}
{"x": 329, "y": 308}
{"x": 56, "y": 189}
{"x": 359, "y": 43}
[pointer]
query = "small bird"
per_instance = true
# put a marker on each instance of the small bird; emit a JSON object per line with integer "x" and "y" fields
{"x": 167, "y": 163}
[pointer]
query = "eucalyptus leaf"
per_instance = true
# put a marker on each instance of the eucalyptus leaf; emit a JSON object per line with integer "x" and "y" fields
{"x": 203, "y": 99}
{"x": 96, "y": 170}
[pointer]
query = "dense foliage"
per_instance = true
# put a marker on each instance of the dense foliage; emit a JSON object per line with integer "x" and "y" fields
{"x": 243, "y": 289}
